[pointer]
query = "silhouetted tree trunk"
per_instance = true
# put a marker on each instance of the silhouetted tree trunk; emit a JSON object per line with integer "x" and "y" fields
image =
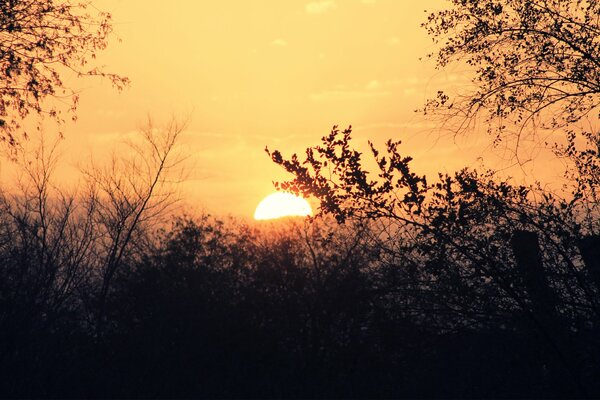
{"x": 589, "y": 247}
{"x": 134, "y": 192}
{"x": 544, "y": 301}
{"x": 526, "y": 249}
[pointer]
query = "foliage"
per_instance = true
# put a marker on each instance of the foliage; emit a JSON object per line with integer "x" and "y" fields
{"x": 210, "y": 308}
{"x": 536, "y": 62}
{"x": 486, "y": 254}
{"x": 42, "y": 42}
{"x": 61, "y": 251}
{"x": 470, "y": 253}
{"x": 462, "y": 286}
{"x": 582, "y": 151}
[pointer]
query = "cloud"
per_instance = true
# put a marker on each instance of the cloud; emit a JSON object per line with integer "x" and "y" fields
{"x": 279, "y": 42}
{"x": 320, "y": 7}
{"x": 373, "y": 85}
{"x": 406, "y": 86}
{"x": 397, "y": 125}
{"x": 342, "y": 95}
{"x": 114, "y": 137}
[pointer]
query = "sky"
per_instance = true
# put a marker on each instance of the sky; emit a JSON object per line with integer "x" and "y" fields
{"x": 250, "y": 74}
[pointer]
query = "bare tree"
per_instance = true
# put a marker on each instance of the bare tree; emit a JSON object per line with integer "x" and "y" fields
{"x": 131, "y": 195}
{"x": 46, "y": 241}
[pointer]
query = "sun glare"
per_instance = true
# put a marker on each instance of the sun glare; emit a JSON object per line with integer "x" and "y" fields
{"x": 280, "y": 204}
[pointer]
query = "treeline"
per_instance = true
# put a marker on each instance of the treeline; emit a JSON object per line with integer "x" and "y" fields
{"x": 496, "y": 296}
{"x": 465, "y": 286}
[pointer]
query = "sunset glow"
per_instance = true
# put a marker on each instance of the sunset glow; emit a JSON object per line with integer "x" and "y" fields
{"x": 253, "y": 74}
{"x": 160, "y": 162}
{"x": 280, "y": 204}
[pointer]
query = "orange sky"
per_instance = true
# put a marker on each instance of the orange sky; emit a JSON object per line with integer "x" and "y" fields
{"x": 266, "y": 72}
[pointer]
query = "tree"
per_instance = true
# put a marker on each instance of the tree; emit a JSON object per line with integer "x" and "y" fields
{"x": 277, "y": 293}
{"x": 486, "y": 254}
{"x": 46, "y": 255}
{"x": 535, "y": 62}
{"x": 41, "y": 41}
{"x": 131, "y": 195}
{"x": 60, "y": 252}
{"x": 479, "y": 253}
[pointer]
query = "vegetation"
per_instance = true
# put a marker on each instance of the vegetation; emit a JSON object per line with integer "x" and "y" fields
{"x": 41, "y": 42}
{"x": 535, "y": 63}
{"x": 209, "y": 308}
{"x": 483, "y": 259}
{"x": 463, "y": 286}
{"x": 494, "y": 260}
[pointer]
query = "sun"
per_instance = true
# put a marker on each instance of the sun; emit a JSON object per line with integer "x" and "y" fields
{"x": 281, "y": 204}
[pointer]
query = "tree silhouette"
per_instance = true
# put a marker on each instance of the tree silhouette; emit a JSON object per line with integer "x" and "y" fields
{"x": 60, "y": 253}
{"x": 133, "y": 191}
{"x": 465, "y": 285}
{"x": 486, "y": 255}
{"x": 535, "y": 63}
{"x": 42, "y": 41}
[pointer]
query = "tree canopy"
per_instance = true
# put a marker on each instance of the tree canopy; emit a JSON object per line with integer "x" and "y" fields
{"x": 41, "y": 43}
{"x": 536, "y": 62}
{"x": 490, "y": 248}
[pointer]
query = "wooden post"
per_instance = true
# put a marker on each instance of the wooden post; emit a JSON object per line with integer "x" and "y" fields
{"x": 552, "y": 326}
{"x": 589, "y": 247}
{"x": 526, "y": 248}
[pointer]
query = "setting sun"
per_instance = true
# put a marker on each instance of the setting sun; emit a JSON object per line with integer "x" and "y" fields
{"x": 299, "y": 199}
{"x": 280, "y": 204}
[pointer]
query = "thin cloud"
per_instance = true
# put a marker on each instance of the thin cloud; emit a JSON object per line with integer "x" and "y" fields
{"x": 320, "y": 7}
{"x": 279, "y": 43}
{"x": 343, "y": 95}
{"x": 395, "y": 125}
{"x": 373, "y": 85}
